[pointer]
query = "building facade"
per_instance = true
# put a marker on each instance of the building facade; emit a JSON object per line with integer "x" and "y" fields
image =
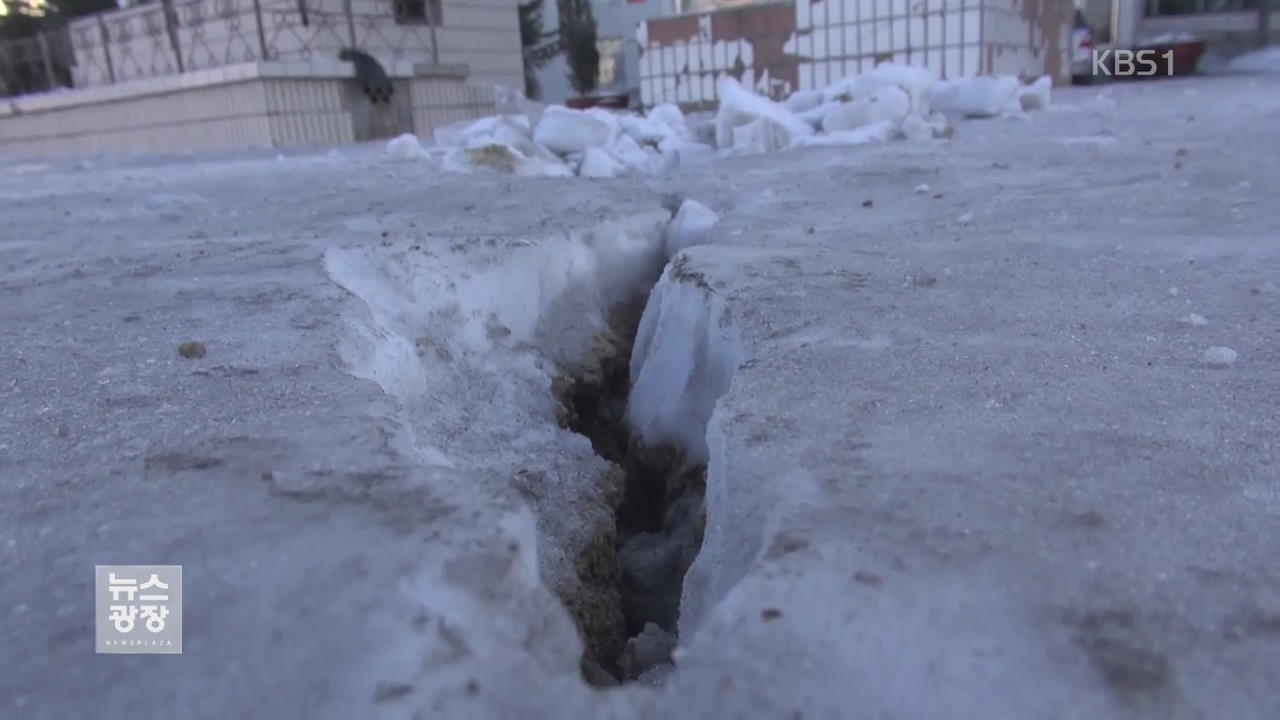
{"x": 200, "y": 75}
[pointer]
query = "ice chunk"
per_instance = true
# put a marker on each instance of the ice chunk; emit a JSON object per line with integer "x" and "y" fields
{"x": 753, "y": 138}
{"x": 803, "y": 101}
{"x": 1193, "y": 319}
{"x": 885, "y": 104}
{"x": 680, "y": 153}
{"x": 502, "y": 158}
{"x": 460, "y": 133}
{"x": 646, "y": 131}
{"x": 659, "y": 161}
{"x": 701, "y": 127}
{"x": 914, "y": 127}
{"x": 1219, "y": 357}
{"x": 518, "y": 137}
{"x": 774, "y": 126}
{"x": 564, "y": 131}
{"x": 611, "y": 119}
{"x": 916, "y": 82}
{"x": 879, "y": 132}
{"x": 670, "y": 115}
{"x": 510, "y": 130}
{"x": 1035, "y": 96}
{"x": 687, "y": 348}
{"x": 814, "y": 115}
{"x": 637, "y": 159}
{"x": 977, "y": 96}
{"x": 922, "y": 188}
{"x": 597, "y": 163}
{"x": 690, "y": 226}
{"x": 405, "y": 147}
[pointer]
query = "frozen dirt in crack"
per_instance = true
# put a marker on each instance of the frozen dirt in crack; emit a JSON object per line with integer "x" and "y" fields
{"x": 659, "y": 521}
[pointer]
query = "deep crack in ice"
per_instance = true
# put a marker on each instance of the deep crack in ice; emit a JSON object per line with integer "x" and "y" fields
{"x": 659, "y": 521}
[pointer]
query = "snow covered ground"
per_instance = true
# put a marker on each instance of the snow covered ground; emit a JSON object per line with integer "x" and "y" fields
{"x": 990, "y": 423}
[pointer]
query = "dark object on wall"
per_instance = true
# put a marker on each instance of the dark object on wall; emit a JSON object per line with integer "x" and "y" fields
{"x": 370, "y": 75}
{"x": 578, "y": 38}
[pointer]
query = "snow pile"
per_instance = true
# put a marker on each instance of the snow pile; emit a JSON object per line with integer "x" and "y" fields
{"x": 503, "y": 143}
{"x": 503, "y": 158}
{"x": 915, "y": 82}
{"x": 884, "y": 105}
{"x": 749, "y": 123}
{"x": 562, "y": 142}
{"x": 597, "y": 163}
{"x": 564, "y": 131}
{"x": 1266, "y": 60}
{"x": 889, "y": 102}
{"x": 990, "y": 96}
{"x": 403, "y": 147}
{"x": 978, "y": 96}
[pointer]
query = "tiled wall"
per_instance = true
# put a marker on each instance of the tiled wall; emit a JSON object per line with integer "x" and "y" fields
{"x": 236, "y": 106}
{"x": 439, "y": 101}
{"x": 779, "y": 48}
{"x": 1027, "y": 37}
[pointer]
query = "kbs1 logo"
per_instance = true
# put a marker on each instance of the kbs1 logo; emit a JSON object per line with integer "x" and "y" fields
{"x": 1130, "y": 63}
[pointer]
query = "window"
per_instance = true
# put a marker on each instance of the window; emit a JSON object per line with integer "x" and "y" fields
{"x": 417, "y": 12}
{"x": 611, "y": 61}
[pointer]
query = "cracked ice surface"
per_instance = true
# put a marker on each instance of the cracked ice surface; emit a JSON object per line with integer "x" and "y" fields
{"x": 971, "y": 469}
